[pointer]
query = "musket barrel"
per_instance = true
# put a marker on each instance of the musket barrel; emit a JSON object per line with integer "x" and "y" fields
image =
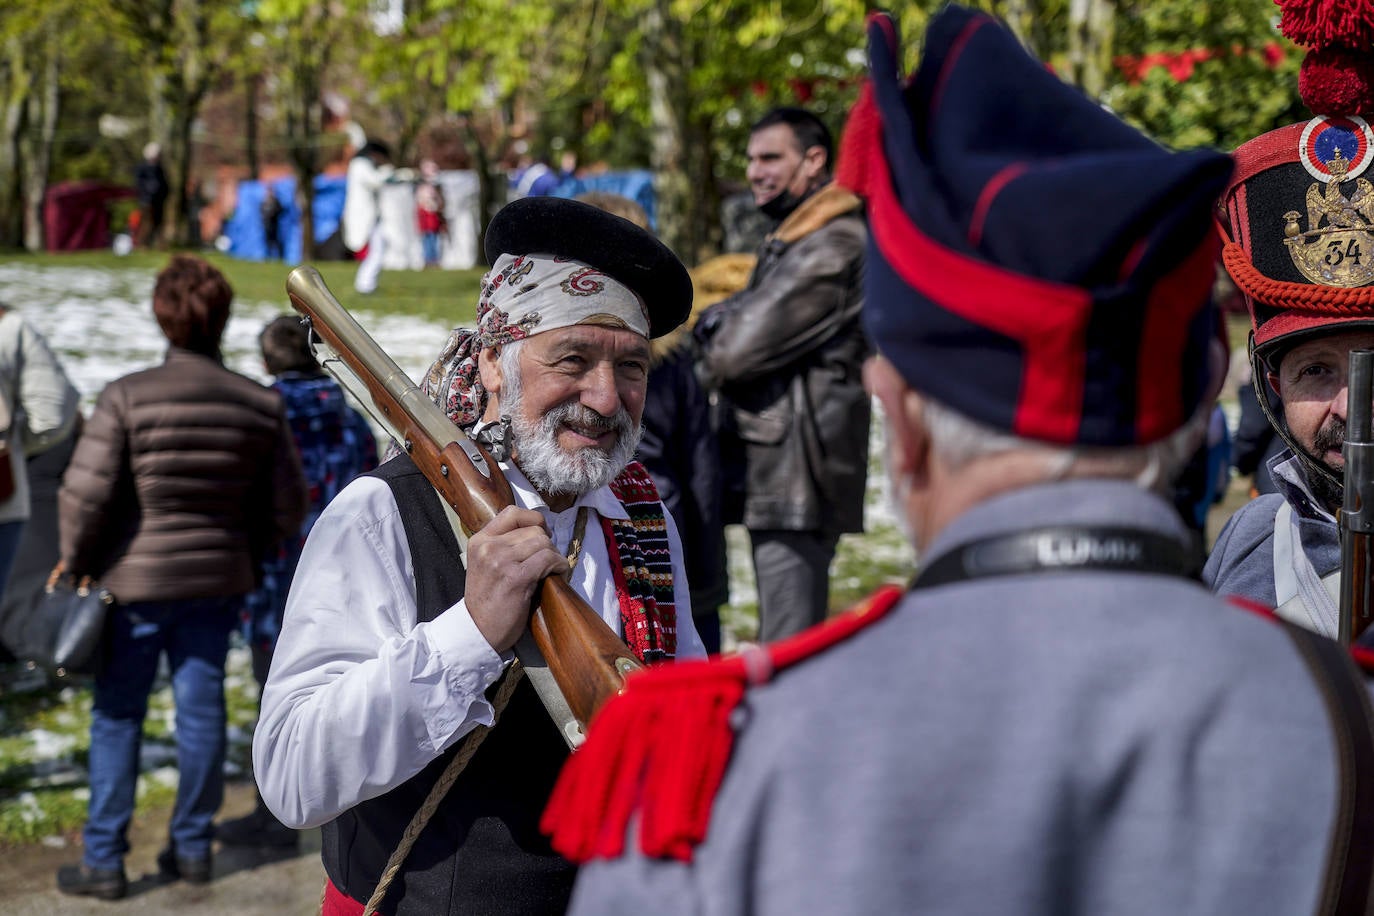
{"x": 1357, "y": 510}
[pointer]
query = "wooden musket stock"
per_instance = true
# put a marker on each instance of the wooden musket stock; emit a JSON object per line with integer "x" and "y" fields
{"x": 587, "y": 660}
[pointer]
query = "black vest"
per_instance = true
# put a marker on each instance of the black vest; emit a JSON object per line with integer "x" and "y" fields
{"x": 482, "y": 852}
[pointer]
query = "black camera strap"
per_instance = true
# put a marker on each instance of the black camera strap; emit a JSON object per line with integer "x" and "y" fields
{"x": 1061, "y": 548}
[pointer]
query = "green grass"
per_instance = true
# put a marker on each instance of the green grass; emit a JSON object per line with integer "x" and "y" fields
{"x": 448, "y": 296}
{"x": 45, "y": 748}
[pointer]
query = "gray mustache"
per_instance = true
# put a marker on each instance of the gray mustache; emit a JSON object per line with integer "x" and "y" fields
{"x": 581, "y": 415}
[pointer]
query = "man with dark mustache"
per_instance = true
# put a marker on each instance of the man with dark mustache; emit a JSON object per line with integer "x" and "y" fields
{"x": 393, "y": 643}
{"x": 1300, "y": 249}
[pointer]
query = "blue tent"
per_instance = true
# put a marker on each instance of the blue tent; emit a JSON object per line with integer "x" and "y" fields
{"x": 638, "y": 185}
{"x": 248, "y": 236}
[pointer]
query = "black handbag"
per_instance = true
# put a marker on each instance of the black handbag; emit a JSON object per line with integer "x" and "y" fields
{"x": 74, "y": 614}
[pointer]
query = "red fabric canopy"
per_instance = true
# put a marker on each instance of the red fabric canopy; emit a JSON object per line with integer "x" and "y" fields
{"x": 76, "y": 214}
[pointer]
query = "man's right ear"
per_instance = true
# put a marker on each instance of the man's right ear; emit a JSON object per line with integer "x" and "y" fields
{"x": 489, "y": 368}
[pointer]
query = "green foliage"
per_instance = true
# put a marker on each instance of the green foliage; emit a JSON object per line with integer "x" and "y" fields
{"x": 1229, "y": 98}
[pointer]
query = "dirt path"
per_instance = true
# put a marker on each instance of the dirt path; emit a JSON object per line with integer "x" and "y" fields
{"x": 246, "y": 882}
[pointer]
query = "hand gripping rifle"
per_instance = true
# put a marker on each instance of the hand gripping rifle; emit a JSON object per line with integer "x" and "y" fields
{"x": 1357, "y": 511}
{"x": 587, "y": 662}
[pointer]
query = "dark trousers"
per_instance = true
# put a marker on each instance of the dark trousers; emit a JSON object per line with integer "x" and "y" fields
{"x": 792, "y": 569}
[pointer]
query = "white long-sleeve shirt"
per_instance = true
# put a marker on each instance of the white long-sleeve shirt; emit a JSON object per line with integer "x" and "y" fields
{"x": 361, "y": 697}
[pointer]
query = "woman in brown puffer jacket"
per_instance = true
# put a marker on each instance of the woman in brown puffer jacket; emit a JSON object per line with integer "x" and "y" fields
{"x": 183, "y": 478}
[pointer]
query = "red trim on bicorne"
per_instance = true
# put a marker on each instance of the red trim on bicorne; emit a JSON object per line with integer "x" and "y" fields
{"x": 1174, "y": 301}
{"x": 1005, "y": 176}
{"x": 1049, "y": 319}
{"x": 336, "y": 903}
{"x": 1364, "y": 658}
{"x": 659, "y": 750}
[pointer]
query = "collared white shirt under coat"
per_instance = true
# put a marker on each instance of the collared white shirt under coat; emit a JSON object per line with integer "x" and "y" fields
{"x": 361, "y": 697}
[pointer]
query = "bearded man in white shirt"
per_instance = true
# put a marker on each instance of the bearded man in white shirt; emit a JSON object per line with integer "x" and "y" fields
{"x": 390, "y": 646}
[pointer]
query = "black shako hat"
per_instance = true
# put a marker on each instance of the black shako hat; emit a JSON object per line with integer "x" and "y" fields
{"x": 613, "y": 245}
{"x": 1034, "y": 262}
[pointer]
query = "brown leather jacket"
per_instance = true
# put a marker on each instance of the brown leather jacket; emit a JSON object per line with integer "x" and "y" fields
{"x": 184, "y": 476}
{"x": 786, "y": 354}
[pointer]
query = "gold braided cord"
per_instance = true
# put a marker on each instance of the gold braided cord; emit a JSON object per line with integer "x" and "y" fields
{"x": 1317, "y": 300}
{"x": 455, "y": 767}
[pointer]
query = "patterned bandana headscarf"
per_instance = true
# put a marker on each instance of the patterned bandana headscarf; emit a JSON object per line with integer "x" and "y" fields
{"x": 524, "y": 295}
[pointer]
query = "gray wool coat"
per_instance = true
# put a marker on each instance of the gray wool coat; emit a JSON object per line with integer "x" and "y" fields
{"x": 1048, "y": 743}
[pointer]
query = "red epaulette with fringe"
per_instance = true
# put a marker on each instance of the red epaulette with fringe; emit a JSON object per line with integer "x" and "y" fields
{"x": 1363, "y": 657}
{"x": 659, "y": 750}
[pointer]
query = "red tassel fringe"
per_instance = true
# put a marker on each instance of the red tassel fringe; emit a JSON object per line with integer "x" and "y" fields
{"x": 1337, "y": 81}
{"x": 1324, "y": 23}
{"x": 660, "y": 749}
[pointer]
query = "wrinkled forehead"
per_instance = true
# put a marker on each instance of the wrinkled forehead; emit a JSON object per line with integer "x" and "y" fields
{"x": 590, "y": 339}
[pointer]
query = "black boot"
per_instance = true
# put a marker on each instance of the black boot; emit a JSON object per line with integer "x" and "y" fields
{"x": 260, "y": 828}
{"x": 83, "y": 881}
{"x": 171, "y": 866}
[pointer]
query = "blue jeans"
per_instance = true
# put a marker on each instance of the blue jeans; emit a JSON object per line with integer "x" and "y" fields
{"x": 195, "y": 635}
{"x": 429, "y": 243}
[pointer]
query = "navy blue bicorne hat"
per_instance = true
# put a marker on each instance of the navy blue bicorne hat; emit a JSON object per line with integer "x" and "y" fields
{"x": 1034, "y": 262}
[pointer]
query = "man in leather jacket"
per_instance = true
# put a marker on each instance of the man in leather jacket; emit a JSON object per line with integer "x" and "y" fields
{"x": 784, "y": 358}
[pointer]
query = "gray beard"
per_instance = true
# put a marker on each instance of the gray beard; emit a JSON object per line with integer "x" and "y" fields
{"x": 554, "y": 471}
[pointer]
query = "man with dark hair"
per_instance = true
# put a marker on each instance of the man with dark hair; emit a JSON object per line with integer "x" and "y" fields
{"x": 784, "y": 356}
{"x": 1055, "y": 717}
{"x": 335, "y": 444}
{"x": 394, "y": 639}
{"x": 150, "y": 182}
{"x": 184, "y": 478}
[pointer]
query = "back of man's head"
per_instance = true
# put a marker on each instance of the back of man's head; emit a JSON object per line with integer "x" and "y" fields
{"x": 806, "y": 127}
{"x": 285, "y": 344}
{"x": 1052, "y": 289}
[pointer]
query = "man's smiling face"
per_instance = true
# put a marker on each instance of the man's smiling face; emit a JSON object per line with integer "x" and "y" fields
{"x": 575, "y": 405}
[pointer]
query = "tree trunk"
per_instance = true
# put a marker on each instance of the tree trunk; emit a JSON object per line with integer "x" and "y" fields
{"x": 708, "y": 233}
{"x": 251, "y": 125}
{"x": 17, "y": 88}
{"x": 664, "y": 71}
{"x": 178, "y": 174}
{"x": 1091, "y": 26}
{"x": 1026, "y": 21}
{"x": 39, "y": 139}
{"x": 486, "y": 184}
{"x": 305, "y": 125}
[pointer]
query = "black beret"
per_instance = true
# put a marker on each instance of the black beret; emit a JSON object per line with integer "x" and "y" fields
{"x": 613, "y": 245}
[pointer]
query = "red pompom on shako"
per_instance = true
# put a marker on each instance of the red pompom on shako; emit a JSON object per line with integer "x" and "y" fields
{"x": 1299, "y": 230}
{"x": 1337, "y": 81}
